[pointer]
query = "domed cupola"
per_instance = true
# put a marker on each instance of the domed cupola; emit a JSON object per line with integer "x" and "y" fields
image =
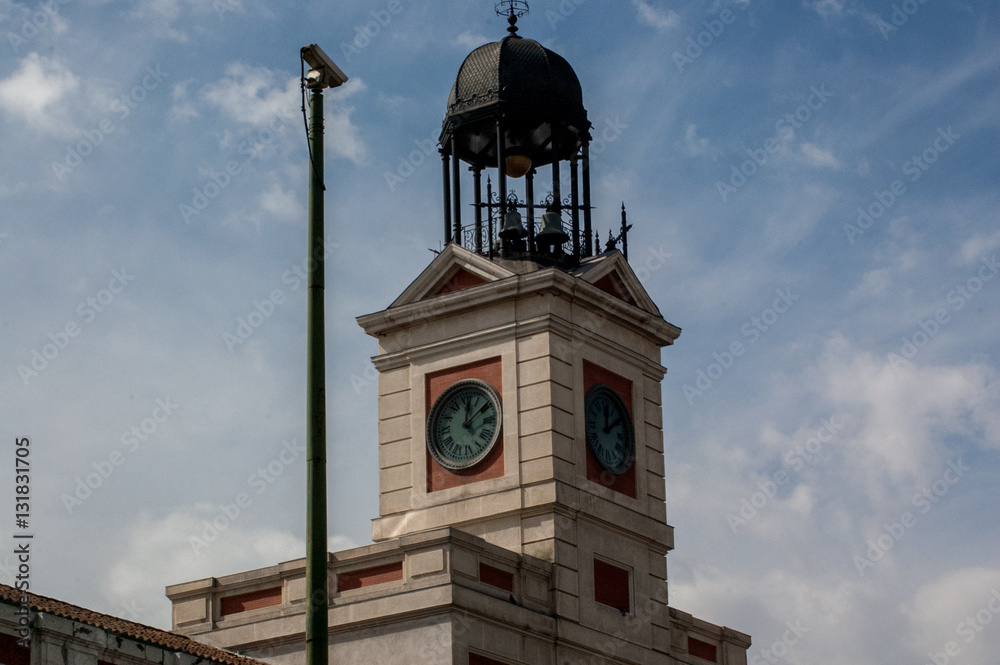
{"x": 532, "y": 87}
{"x": 515, "y": 107}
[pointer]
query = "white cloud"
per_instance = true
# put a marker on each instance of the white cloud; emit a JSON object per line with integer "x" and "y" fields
{"x": 900, "y": 416}
{"x": 659, "y": 18}
{"x": 941, "y": 611}
{"x": 182, "y": 107}
{"x": 816, "y": 156}
{"x": 252, "y": 95}
{"x": 872, "y": 284}
{"x": 256, "y": 96}
{"x": 176, "y": 548}
{"x": 159, "y": 18}
{"x": 283, "y": 205}
{"x": 698, "y": 145}
{"x": 976, "y": 248}
{"x": 825, "y": 8}
{"x": 36, "y": 93}
{"x": 471, "y": 40}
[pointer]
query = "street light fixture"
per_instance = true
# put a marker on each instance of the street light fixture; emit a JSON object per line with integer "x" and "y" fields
{"x": 323, "y": 73}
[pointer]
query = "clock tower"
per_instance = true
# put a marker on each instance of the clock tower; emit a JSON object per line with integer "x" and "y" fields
{"x": 522, "y": 515}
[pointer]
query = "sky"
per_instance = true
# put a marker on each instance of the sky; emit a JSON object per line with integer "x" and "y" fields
{"x": 813, "y": 188}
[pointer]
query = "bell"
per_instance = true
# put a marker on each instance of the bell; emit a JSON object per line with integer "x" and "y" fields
{"x": 552, "y": 232}
{"x": 512, "y": 227}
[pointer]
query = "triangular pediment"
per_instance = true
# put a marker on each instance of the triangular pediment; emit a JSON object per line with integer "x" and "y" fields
{"x": 453, "y": 269}
{"x": 611, "y": 273}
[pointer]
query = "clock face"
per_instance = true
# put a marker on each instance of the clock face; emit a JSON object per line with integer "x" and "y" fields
{"x": 610, "y": 433}
{"x": 464, "y": 424}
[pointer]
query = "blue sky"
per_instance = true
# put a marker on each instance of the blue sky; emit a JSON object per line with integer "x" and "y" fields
{"x": 814, "y": 191}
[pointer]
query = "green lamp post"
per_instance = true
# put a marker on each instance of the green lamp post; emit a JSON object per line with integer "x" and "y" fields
{"x": 322, "y": 74}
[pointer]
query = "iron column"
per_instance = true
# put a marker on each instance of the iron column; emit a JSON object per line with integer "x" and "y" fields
{"x": 317, "y": 612}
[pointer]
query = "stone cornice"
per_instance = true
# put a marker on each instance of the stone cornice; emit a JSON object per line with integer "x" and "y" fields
{"x": 547, "y": 323}
{"x": 550, "y": 280}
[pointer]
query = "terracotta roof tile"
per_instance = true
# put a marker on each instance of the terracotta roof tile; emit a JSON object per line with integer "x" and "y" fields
{"x": 137, "y": 631}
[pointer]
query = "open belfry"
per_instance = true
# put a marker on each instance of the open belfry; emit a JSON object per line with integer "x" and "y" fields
{"x": 522, "y": 515}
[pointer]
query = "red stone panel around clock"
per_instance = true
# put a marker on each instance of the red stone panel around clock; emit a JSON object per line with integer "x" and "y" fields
{"x": 625, "y": 483}
{"x": 438, "y": 477}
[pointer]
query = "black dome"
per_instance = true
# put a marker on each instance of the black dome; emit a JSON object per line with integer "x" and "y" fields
{"x": 519, "y": 74}
{"x": 532, "y": 89}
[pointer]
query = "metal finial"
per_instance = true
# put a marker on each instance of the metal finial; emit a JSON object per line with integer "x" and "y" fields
{"x": 513, "y": 10}
{"x": 624, "y": 232}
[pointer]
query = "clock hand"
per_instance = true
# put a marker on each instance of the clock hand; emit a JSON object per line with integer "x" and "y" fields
{"x": 611, "y": 426}
{"x": 481, "y": 409}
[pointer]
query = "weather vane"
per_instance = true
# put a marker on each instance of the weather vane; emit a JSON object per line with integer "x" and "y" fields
{"x": 513, "y": 10}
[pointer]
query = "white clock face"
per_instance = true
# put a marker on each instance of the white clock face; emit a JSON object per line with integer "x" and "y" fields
{"x": 464, "y": 424}
{"x": 610, "y": 432}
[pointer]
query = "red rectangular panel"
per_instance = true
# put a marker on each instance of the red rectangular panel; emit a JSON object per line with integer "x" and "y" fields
{"x": 438, "y": 477}
{"x": 11, "y": 653}
{"x": 501, "y": 579}
{"x": 358, "y": 579}
{"x": 702, "y": 649}
{"x": 611, "y": 586}
{"x": 253, "y": 600}
{"x": 625, "y": 483}
{"x": 478, "y": 659}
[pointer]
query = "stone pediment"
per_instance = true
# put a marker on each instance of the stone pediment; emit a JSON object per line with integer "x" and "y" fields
{"x": 457, "y": 268}
{"x": 453, "y": 269}
{"x": 611, "y": 273}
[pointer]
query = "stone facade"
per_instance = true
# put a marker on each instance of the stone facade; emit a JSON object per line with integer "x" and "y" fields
{"x": 535, "y": 555}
